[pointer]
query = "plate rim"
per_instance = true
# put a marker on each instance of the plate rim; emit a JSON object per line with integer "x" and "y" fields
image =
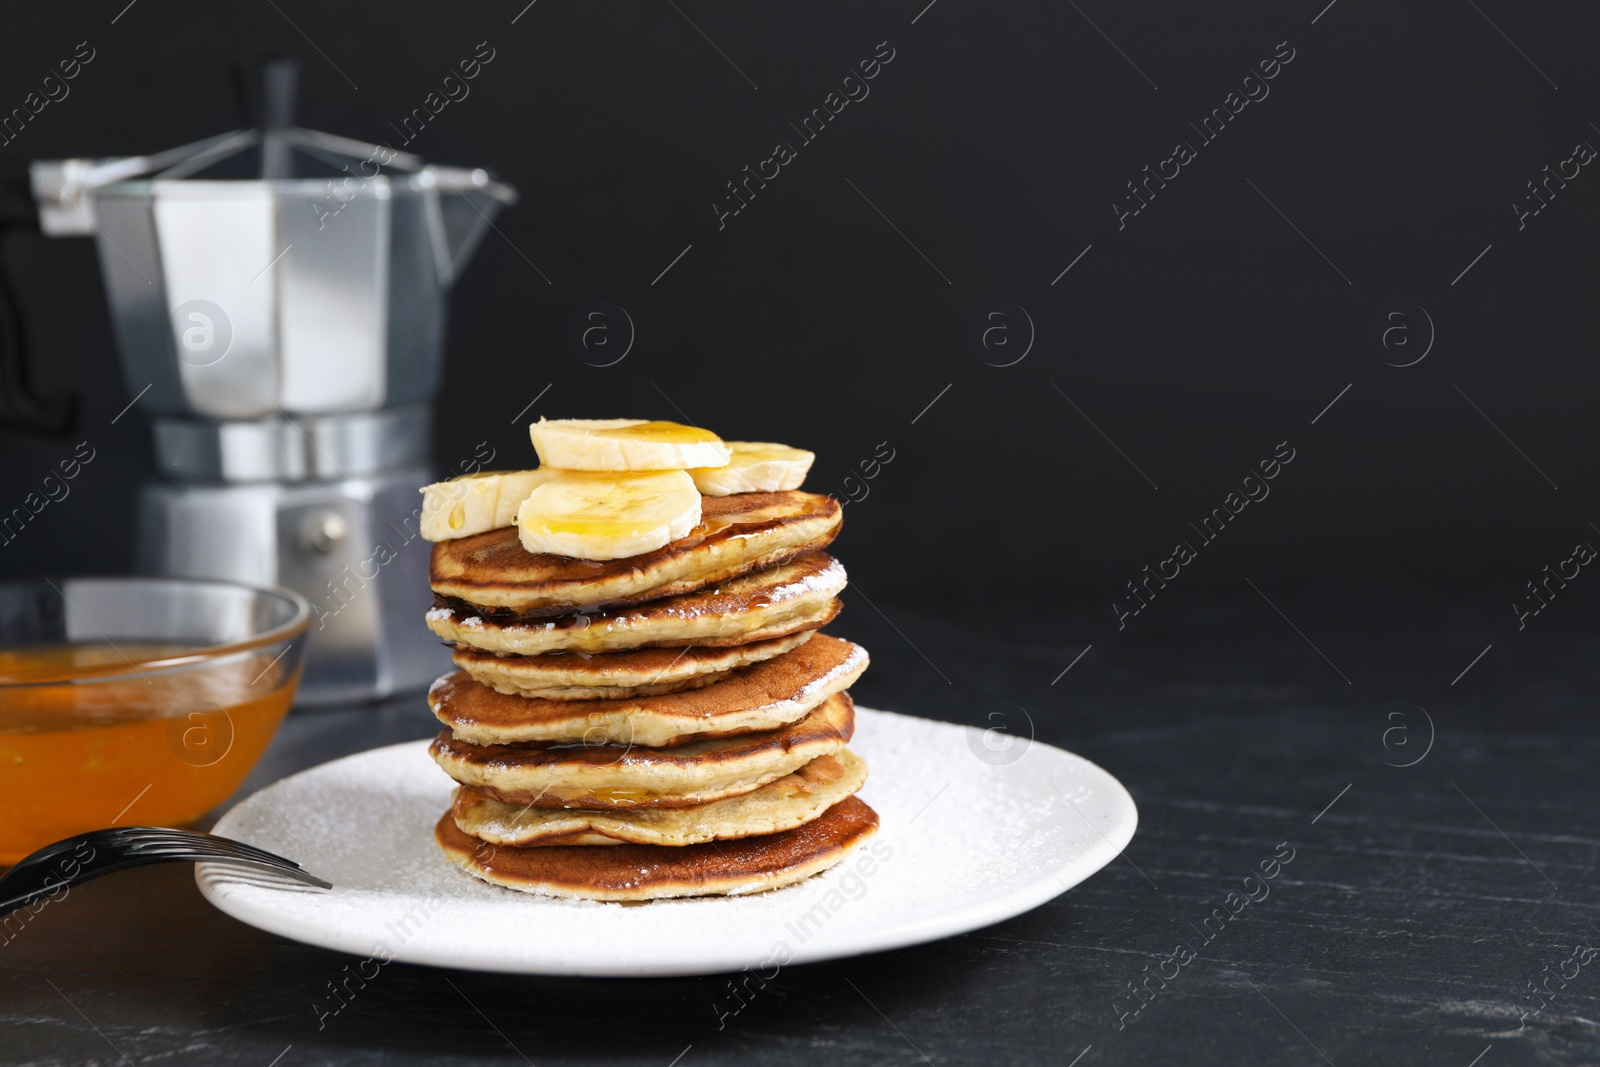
{"x": 974, "y": 915}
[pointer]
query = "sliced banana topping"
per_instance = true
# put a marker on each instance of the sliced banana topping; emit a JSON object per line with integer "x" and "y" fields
{"x": 625, "y": 445}
{"x": 757, "y": 467}
{"x": 474, "y": 503}
{"x": 606, "y": 515}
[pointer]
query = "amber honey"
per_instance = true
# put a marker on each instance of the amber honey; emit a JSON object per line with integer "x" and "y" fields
{"x": 593, "y": 516}
{"x": 95, "y": 735}
{"x": 674, "y": 433}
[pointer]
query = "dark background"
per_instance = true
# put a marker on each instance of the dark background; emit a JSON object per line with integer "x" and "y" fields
{"x": 1196, "y": 338}
{"x": 1222, "y": 320}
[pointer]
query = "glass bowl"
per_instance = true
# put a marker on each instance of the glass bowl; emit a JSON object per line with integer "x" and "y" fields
{"x": 136, "y": 701}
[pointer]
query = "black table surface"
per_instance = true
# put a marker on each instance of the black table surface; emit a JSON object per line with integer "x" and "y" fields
{"x": 1440, "y": 906}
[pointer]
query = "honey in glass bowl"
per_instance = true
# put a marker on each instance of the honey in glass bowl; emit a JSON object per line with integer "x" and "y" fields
{"x": 135, "y": 701}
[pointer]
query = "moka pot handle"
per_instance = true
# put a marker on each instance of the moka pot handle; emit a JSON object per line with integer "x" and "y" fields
{"x": 20, "y": 408}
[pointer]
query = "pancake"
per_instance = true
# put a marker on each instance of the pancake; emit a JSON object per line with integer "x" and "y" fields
{"x": 761, "y": 697}
{"x": 641, "y": 672}
{"x": 793, "y": 800}
{"x": 787, "y": 599}
{"x": 622, "y": 776}
{"x": 737, "y": 534}
{"x": 652, "y": 872}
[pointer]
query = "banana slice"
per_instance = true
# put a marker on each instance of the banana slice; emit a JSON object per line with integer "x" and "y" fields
{"x": 625, "y": 445}
{"x": 474, "y": 503}
{"x": 757, "y": 467}
{"x": 607, "y": 515}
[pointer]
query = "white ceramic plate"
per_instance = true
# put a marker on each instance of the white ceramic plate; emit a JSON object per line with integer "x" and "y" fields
{"x": 973, "y": 832}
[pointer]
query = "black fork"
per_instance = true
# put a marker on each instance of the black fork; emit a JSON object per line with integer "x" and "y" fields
{"x": 55, "y": 868}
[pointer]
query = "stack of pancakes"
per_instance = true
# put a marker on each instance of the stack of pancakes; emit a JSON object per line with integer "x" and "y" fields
{"x": 662, "y": 725}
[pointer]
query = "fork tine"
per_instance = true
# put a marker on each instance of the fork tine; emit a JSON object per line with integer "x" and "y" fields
{"x": 43, "y": 873}
{"x": 162, "y": 835}
{"x": 220, "y": 850}
{"x": 168, "y": 833}
{"x": 196, "y": 841}
{"x": 292, "y": 872}
{"x": 211, "y": 841}
{"x": 203, "y": 854}
{"x": 179, "y": 847}
{"x": 223, "y": 845}
{"x": 260, "y": 877}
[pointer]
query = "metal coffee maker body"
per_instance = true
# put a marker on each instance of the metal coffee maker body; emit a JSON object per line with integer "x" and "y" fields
{"x": 278, "y": 297}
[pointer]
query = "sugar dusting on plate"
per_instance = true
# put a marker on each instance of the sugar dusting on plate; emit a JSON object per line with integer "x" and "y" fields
{"x": 963, "y": 843}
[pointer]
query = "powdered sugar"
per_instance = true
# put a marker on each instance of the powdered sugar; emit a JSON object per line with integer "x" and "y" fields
{"x": 963, "y": 843}
{"x": 830, "y": 580}
{"x": 852, "y": 663}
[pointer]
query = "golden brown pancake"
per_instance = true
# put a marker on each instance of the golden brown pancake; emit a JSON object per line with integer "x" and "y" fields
{"x": 737, "y": 534}
{"x": 621, "y": 776}
{"x": 786, "y": 599}
{"x": 638, "y": 673}
{"x": 651, "y": 872}
{"x": 762, "y": 697}
{"x": 793, "y": 800}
